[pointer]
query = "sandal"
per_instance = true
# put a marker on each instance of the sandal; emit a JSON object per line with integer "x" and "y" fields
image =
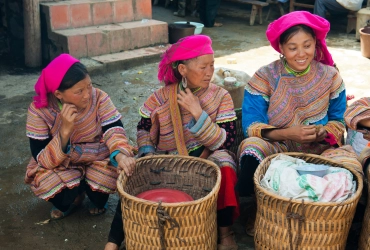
{"x": 227, "y": 247}
{"x": 76, "y": 203}
{"x": 102, "y": 210}
{"x": 217, "y": 25}
{"x": 64, "y": 214}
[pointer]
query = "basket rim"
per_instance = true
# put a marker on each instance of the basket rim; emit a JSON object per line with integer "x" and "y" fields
{"x": 353, "y": 198}
{"x": 122, "y": 178}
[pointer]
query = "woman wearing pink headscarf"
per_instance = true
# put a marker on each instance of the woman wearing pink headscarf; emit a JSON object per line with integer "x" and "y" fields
{"x": 76, "y": 137}
{"x": 191, "y": 116}
{"x": 296, "y": 103}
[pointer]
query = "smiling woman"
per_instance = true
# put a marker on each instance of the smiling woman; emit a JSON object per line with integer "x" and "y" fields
{"x": 295, "y": 104}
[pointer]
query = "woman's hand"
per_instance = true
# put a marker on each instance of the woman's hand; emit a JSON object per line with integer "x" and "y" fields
{"x": 190, "y": 102}
{"x": 125, "y": 163}
{"x": 302, "y": 133}
{"x": 321, "y": 133}
{"x": 68, "y": 115}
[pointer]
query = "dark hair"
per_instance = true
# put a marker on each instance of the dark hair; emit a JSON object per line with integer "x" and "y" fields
{"x": 77, "y": 72}
{"x": 175, "y": 67}
{"x": 284, "y": 38}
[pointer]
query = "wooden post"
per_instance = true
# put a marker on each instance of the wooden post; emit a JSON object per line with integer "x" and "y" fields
{"x": 32, "y": 33}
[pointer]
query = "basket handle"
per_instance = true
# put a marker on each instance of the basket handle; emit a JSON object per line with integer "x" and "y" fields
{"x": 163, "y": 216}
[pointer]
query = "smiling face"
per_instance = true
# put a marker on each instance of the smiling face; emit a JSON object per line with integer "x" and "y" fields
{"x": 198, "y": 71}
{"x": 299, "y": 50}
{"x": 78, "y": 95}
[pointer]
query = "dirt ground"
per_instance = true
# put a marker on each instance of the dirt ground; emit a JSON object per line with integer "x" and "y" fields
{"x": 21, "y": 211}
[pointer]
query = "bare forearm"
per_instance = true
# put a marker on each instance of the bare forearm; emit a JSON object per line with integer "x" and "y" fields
{"x": 365, "y": 123}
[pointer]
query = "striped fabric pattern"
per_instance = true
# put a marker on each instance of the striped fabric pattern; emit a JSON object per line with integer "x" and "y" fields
{"x": 297, "y": 100}
{"x": 214, "y": 100}
{"x": 89, "y": 153}
{"x": 356, "y": 112}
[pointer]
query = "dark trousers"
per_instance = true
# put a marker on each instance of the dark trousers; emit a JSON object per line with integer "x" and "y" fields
{"x": 331, "y": 6}
{"x": 116, "y": 234}
{"x": 65, "y": 198}
{"x": 245, "y": 185}
{"x": 208, "y": 11}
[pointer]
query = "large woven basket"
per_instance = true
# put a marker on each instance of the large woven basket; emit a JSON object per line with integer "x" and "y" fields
{"x": 186, "y": 225}
{"x": 364, "y": 243}
{"x": 282, "y": 223}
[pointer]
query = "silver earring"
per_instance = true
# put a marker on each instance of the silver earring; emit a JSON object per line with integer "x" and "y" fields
{"x": 282, "y": 57}
{"x": 184, "y": 82}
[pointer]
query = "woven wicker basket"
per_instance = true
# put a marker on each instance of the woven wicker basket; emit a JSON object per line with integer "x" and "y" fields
{"x": 364, "y": 243}
{"x": 282, "y": 223}
{"x": 239, "y": 132}
{"x": 186, "y": 225}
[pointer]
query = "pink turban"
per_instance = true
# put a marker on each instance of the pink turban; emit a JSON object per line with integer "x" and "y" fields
{"x": 319, "y": 25}
{"x": 186, "y": 48}
{"x": 51, "y": 77}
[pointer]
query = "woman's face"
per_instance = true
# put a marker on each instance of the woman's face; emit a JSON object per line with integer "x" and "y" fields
{"x": 299, "y": 50}
{"x": 198, "y": 71}
{"x": 78, "y": 95}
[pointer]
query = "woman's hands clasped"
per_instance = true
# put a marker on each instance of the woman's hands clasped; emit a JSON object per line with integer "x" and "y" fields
{"x": 126, "y": 164}
{"x": 190, "y": 102}
{"x": 306, "y": 133}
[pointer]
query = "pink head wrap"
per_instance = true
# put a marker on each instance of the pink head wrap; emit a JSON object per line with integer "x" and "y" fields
{"x": 319, "y": 25}
{"x": 51, "y": 77}
{"x": 186, "y": 48}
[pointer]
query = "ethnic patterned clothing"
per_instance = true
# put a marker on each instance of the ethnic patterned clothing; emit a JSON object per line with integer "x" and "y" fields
{"x": 275, "y": 99}
{"x": 356, "y": 112}
{"x": 214, "y": 130}
{"x": 89, "y": 148}
{"x": 216, "y": 103}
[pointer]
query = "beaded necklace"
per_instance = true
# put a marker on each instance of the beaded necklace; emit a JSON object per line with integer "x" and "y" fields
{"x": 192, "y": 90}
{"x": 296, "y": 73}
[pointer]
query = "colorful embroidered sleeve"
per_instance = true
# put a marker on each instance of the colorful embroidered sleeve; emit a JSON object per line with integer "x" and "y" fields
{"x": 208, "y": 133}
{"x": 356, "y": 112}
{"x": 52, "y": 155}
{"x": 335, "y": 125}
{"x": 36, "y": 127}
{"x": 115, "y": 137}
{"x": 226, "y": 111}
{"x": 220, "y": 134}
{"x": 254, "y": 115}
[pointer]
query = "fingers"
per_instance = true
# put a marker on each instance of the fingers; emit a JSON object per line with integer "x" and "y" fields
{"x": 69, "y": 111}
{"x": 127, "y": 164}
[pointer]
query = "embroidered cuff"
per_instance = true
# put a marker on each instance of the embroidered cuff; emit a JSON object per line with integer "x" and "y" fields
{"x": 194, "y": 128}
{"x": 145, "y": 150}
{"x": 113, "y": 158}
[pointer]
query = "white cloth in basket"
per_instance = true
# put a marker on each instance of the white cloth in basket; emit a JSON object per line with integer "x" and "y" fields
{"x": 283, "y": 179}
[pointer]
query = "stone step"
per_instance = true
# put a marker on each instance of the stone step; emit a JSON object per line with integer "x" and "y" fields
{"x": 83, "y": 13}
{"x": 123, "y": 60}
{"x": 105, "y": 39}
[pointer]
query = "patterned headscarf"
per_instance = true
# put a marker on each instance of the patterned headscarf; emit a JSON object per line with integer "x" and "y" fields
{"x": 51, "y": 77}
{"x": 319, "y": 25}
{"x": 186, "y": 48}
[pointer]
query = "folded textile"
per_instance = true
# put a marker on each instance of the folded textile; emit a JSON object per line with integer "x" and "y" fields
{"x": 283, "y": 179}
